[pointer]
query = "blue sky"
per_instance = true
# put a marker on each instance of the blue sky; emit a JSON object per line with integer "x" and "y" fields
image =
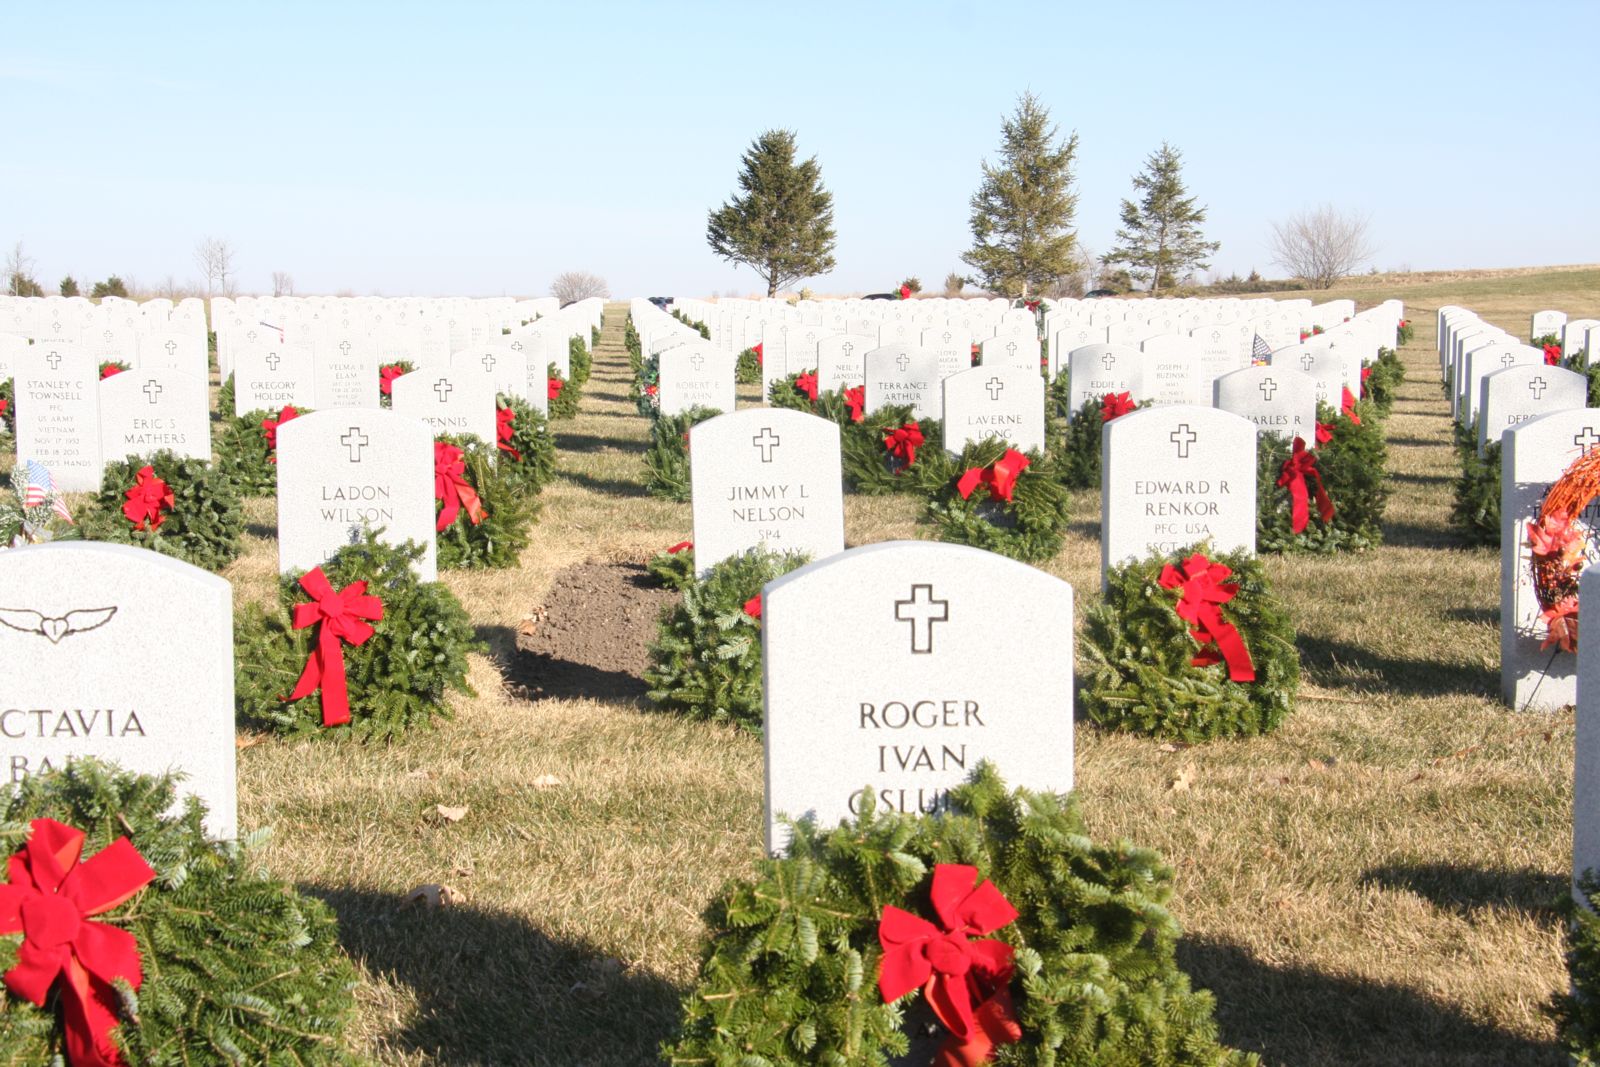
{"x": 482, "y": 148}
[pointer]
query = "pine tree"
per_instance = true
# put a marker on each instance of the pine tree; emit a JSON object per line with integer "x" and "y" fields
{"x": 782, "y": 225}
{"x": 69, "y": 286}
{"x": 1022, "y": 212}
{"x": 1160, "y": 236}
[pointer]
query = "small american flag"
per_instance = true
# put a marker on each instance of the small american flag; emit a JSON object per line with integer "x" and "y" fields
{"x": 269, "y": 326}
{"x": 1260, "y": 352}
{"x": 41, "y": 487}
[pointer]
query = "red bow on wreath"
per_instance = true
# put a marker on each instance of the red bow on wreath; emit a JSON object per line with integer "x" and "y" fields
{"x": 1324, "y": 432}
{"x": 386, "y": 376}
{"x": 48, "y": 901}
{"x": 552, "y": 388}
{"x": 966, "y": 982}
{"x": 1032, "y": 305}
{"x": 269, "y": 429}
{"x": 1114, "y": 405}
{"x": 1200, "y": 599}
{"x": 108, "y": 369}
{"x": 855, "y": 398}
{"x": 905, "y": 292}
{"x": 1552, "y": 355}
{"x": 752, "y": 607}
{"x": 1366, "y": 372}
{"x": 904, "y": 442}
{"x": 1301, "y": 465}
{"x": 757, "y": 350}
{"x": 679, "y": 547}
{"x": 1000, "y": 476}
{"x": 1348, "y": 408}
{"x": 451, "y": 487}
{"x": 342, "y": 617}
{"x": 148, "y": 498}
{"x": 806, "y": 382}
{"x": 505, "y": 426}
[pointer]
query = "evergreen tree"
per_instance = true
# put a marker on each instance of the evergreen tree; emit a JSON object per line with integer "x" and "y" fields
{"x": 782, "y": 224}
{"x": 1160, "y": 238}
{"x": 112, "y": 286}
{"x": 69, "y": 286}
{"x": 1022, "y": 212}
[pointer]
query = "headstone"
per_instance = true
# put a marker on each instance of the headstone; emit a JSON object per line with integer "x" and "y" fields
{"x": 950, "y": 682}
{"x": 1575, "y": 335}
{"x": 1586, "y": 766}
{"x": 342, "y": 472}
{"x": 1484, "y": 361}
{"x": 57, "y": 396}
{"x": 272, "y": 377}
{"x": 1534, "y": 454}
{"x": 174, "y": 350}
{"x": 765, "y": 476}
{"x": 1010, "y": 350}
{"x": 1172, "y": 370}
{"x": 452, "y": 401}
{"x": 144, "y": 411}
{"x": 1546, "y": 323}
{"x": 1005, "y": 402}
{"x": 345, "y": 374}
{"x": 696, "y": 375}
{"x": 122, "y": 654}
{"x": 1174, "y": 476}
{"x": 842, "y": 360}
{"x": 951, "y": 346}
{"x": 900, "y": 374}
{"x": 1515, "y": 395}
{"x": 1278, "y": 400}
{"x": 1096, "y": 370}
{"x": 1329, "y": 367}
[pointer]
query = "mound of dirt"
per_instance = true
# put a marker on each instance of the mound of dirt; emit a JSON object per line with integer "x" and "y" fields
{"x": 590, "y": 638}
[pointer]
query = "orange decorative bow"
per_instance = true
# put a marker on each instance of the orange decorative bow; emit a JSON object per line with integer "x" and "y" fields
{"x": 1202, "y": 593}
{"x": 147, "y": 500}
{"x": 1000, "y": 476}
{"x": 451, "y": 488}
{"x": 1301, "y": 465}
{"x": 342, "y": 617}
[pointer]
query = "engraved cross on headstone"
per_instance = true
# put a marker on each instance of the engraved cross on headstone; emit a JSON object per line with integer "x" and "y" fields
{"x": 766, "y": 441}
{"x": 171, "y": 347}
{"x": 1587, "y": 439}
{"x": 273, "y": 359}
{"x": 921, "y": 610}
{"x": 54, "y": 359}
{"x": 1107, "y": 360}
{"x": 902, "y": 361}
{"x": 1537, "y": 388}
{"x": 1507, "y": 358}
{"x": 344, "y": 348}
{"x": 152, "y": 389}
{"x": 355, "y": 441}
{"x": 1183, "y": 437}
{"x": 1011, "y": 349}
{"x": 443, "y": 388}
{"x": 697, "y": 361}
{"x": 995, "y": 387}
{"x": 847, "y": 348}
{"x": 1306, "y": 361}
{"x": 1267, "y": 387}
{"x": 488, "y": 362}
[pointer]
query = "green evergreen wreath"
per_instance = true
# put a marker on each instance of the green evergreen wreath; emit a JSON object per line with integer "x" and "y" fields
{"x": 108, "y": 367}
{"x": 748, "y": 368}
{"x": 1139, "y": 651}
{"x": 790, "y": 974}
{"x": 645, "y": 390}
{"x": 1030, "y": 527}
{"x": 666, "y": 461}
{"x": 1475, "y": 512}
{"x": 1578, "y": 1011}
{"x": 398, "y": 679}
{"x": 1354, "y": 467}
{"x": 225, "y": 399}
{"x": 1076, "y": 451}
{"x": 203, "y": 525}
{"x": 1382, "y": 380}
{"x": 8, "y": 407}
{"x": 706, "y": 660}
{"x": 674, "y": 570}
{"x": 579, "y": 362}
{"x": 237, "y": 967}
{"x": 563, "y": 395}
{"x": 785, "y": 393}
{"x": 869, "y": 467}
{"x": 508, "y": 513}
{"x": 1403, "y": 333}
{"x": 404, "y": 366}
{"x": 243, "y": 454}
{"x": 630, "y": 341}
{"x": 531, "y": 464}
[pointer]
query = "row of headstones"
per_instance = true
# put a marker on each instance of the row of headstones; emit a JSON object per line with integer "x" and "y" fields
{"x": 112, "y": 323}
{"x": 1497, "y": 380}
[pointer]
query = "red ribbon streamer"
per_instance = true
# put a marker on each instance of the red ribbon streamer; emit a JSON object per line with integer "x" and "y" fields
{"x": 679, "y": 547}
{"x": 386, "y": 376}
{"x": 451, "y": 487}
{"x": 1000, "y": 476}
{"x": 48, "y": 900}
{"x": 1115, "y": 404}
{"x": 965, "y": 981}
{"x": 1202, "y": 593}
{"x": 904, "y": 442}
{"x": 269, "y": 428}
{"x": 1348, "y": 408}
{"x": 760, "y": 359}
{"x": 147, "y": 499}
{"x": 855, "y": 398}
{"x": 1301, "y": 465}
{"x": 341, "y": 616}
{"x": 505, "y": 421}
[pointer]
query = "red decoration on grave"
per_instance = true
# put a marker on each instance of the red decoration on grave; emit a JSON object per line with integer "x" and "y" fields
{"x": 905, "y": 292}
{"x": 269, "y": 429}
{"x": 108, "y": 369}
{"x": 806, "y": 382}
{"x": 1324, "y": 432}
{"x": 505, "y": 426}
{"x": 1366, "y": 372}
{"x": 679, "y": 547}
{"x": 1113, "y": 405}
{"x": 553, "y": 388}
{"x": 1202, "y": 590}
{"x": 1300, "y": 466}
{"x": 386, "y": 376}
{"x": 904, "y": 442}
{"x": 147, "y": 500}
{"x": 1000, "y": 476}
{"x": 760, "y": 359}
{"x": 1552, "y": 355}
{"x": 450, "y": 486}
{"x": 855, "y": 398}
{"x": 49, "y": 899}
{"x": 966, "y": 982}
{"x": 752, "y": 607}
{"x": 341, "y": 616}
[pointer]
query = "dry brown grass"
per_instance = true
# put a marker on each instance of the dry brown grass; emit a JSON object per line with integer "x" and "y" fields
{"x": 1370, "y": 885}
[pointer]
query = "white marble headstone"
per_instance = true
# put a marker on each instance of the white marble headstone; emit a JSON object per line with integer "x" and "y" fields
{"x": 451, "y": 400}
{"x": 272, "y": 377}
{"x": 1005, "y": 402}
{"x": 1519, "y": 393}
{"x": 1097, "y": 369}
{"x": 57, "y": 395}
{"x": 144, "y": 411}
{"x": 1279, "y": 400}
{"x": 901, "y": 374}
{"x": 841, "y": 361}
{"x": 696, "y": 375}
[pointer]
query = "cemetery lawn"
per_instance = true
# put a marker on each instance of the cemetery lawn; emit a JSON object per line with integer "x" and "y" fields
{"x": 1373, "y": 884}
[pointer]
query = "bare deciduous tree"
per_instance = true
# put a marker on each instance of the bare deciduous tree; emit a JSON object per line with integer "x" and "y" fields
{"x": 571, "y": 286}
{"x": 214, "y": 257}
{"x": 282, "y": 283}
{"x": 1321, "y": 245}
{"x": 19, "y": 279}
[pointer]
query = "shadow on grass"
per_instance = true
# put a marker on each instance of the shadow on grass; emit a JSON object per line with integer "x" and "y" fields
{"x": 1416, "y": 535}
{"x": 608, "y": 486}
{"x": 1477, "y": 616}
{"x": 587, "y": 442}
{"x": 262, "y": 530}
{"x": 1422, "y": 479}
{"x": 1291, "y": 1015}
{"x": 1419, "y": 442}
{"x": 493, "y": 988}
{"x": 1467, "y": 890}
{"x": 1332, "y": 663}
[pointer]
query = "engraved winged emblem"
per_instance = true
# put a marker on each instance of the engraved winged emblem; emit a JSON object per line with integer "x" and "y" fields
{"x": 29, "y": 621}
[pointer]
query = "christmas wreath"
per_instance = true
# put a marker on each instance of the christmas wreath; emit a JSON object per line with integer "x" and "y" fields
{"x": 8, "y": 409}
{"x": 666, "y": 461}
{"x": 483, "y": 516}
{"x": 1190, "y": 646}
{"x": 562, "y": 395}
{"x": 387, "y": 373}
{"x": 1328, "y": 499}
{"x": 630, "y": 341}
{"x": 1028, "y": 942}
{"x": 1403, "y": 333}
{"x": 673, "y": 568}
{"x": 1077, "y": 455}
{"x": 178, "y": 506}
{"x": 645, "y": 392}
{"x": 798, "y": 391}
{"x": 225, "y": 399}
{"x": 111, "y": 366}
{"x": 747, "y": 370}
{"x": 382, "y": 647}
{"x": 29, "y": 518}
{"x": 706, "y": 660}
{"x": 169, "y": 948}
{"x": 885, "y": 451}
{"x": 1558, "y": 543}
{"x": 247, "y": 449}
{"x": 525, "y": 447}
{"x": 1476, "y": 510}
{"x": 1381, "y": 381}
{"x": 1578, "y": 1011}
{"x": 996, "y": 498}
